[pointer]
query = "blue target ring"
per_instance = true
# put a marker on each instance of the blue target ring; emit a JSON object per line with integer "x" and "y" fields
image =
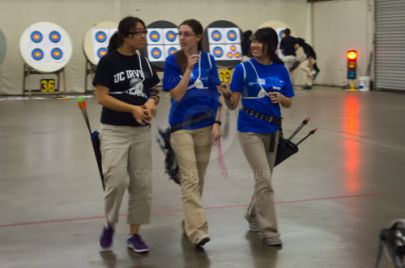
{"x": 154, "y": 36}
{"x": 232, "y": 35}
{"x": 171, "y": 36}
{"x": 37, "y": 54}
{"x": 172, "y": 50}
{"x": 56, "y": 53}
{"x": 101, "y": 52}
{"x": 101, "y": 37}
{"x": 218, "y": 52}
{"x": 216, "y": 35}
{"x": 280, "y": 34}
{"x": 36, "y": 37}
{"x": 55, "y": 36}
{"x": 156, "y": 53}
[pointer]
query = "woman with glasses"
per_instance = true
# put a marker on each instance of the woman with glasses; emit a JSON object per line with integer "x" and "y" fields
{"x": 263, "y": 84}
{"x": 191, "y": 77}
{"x": 125, "y": 87}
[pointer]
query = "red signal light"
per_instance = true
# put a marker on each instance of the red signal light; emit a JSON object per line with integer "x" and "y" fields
{"x": 351, "y": 55}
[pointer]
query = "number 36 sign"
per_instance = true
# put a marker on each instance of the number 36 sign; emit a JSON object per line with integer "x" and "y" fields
{"x": 47, "y": 85}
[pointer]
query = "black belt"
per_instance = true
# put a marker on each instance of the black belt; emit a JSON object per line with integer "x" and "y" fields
{"x": 267, "y": 118}
{"x": 191, "y": 121}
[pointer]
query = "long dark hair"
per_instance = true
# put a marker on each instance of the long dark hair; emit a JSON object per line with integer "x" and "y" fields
{"x": 197, "y": 28}
{"x": 125, "y": 27}
{"x": 268, "y": 37}
{"x": 246, "y": 43}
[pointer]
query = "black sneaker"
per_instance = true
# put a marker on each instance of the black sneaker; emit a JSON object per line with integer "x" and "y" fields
{"x": 307, "y": 87}
{"x": 315, "y": 75}
{"x": 202, "y": 241}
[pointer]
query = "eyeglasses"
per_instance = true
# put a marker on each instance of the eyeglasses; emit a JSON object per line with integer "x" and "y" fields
{"x": 186, "y": 34}
{"x": 139, "y": 33}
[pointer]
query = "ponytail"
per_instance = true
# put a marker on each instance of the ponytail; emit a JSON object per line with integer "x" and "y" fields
{"x": 115, "y": 42}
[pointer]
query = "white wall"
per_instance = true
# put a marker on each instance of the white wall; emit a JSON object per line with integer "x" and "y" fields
{"x": 77, "y": 16}
{"x": 247, "y": 14}
{"x": 337, "y": 27}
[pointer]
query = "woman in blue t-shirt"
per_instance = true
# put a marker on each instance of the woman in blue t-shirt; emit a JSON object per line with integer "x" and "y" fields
{"x": 125, "y": 87}
{"x": 191, "y": 77}
{"x": 263, "y": 83}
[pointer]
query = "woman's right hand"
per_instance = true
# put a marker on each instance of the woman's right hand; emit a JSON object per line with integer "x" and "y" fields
{"x": 224, "y": 89}
{"x": 140, "y": 115}
{"x": 192, "y": 60}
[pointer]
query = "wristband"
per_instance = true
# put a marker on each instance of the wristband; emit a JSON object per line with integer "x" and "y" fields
{"x": 227, "y": 96}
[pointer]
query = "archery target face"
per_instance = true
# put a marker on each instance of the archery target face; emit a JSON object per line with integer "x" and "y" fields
{"x": 162, "y": 41}
{"x": 156, "y": 53}
{"x": 96, "y": 40}
{"x": 226, "y": 52}
{"x": 225, "y": 43}
{"x": 2, "y": 47}
{"x": 229, "y": 35}
{"x": 169, "y": 50}
{"x": 170, "y": 36}
{"x": 46, "y": 47}
{"x": 155, "y": 36}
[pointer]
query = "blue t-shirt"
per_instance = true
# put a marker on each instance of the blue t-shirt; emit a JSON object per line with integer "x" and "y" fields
{"x": 254, "y": 88}
{"x": 196, "y": 102}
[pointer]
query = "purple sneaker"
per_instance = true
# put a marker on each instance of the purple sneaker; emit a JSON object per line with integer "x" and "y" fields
{"x": 106, "y": 237}
{"x": 136, "y": 242}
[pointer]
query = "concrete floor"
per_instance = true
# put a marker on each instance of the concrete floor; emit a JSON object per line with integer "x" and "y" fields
{"x": 333, "y": 197}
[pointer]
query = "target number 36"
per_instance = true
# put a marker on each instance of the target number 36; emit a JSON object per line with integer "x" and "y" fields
{"x": 225, "y": 75}
{"x": 47, "y": 85}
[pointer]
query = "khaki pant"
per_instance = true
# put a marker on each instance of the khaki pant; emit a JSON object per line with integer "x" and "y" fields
{"x": 126, "y": 161}
{"x": 192, "y": 149}
{"x": 307, "y": 67}
{"x": 256, "y": 149}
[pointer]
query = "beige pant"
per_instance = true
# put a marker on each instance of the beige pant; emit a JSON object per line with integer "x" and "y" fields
{"x": 192, "y": 149}
{"x": 126, "y": 161}
{"x": 256, "y": 149}
{"x": 307, "y": 67}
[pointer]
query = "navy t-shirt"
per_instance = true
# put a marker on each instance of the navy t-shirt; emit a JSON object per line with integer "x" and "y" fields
{"x": 130, "y": 79}
{"x": 196, "y": 102}
{"x": 254, "y": 88}
{"x": 287, "y": 45}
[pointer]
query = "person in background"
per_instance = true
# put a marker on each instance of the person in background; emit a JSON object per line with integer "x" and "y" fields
{"x": 287, "y": 48}
{"x": 191, "y": 77}
{"x": 263, "y": 83}
{"x": 307, "y": 62}
{"x": 125, "y": 87}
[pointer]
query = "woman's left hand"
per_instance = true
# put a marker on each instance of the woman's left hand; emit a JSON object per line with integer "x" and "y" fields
{"x": 215, "y": 133}
{"x": 150, "y": 107}
{"x": 276, "y": 97}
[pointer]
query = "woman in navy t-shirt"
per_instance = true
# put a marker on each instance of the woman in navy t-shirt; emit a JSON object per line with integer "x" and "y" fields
{"x": 125, "y": 87}
{"x": 191, "y": 77}
{"x": 263, "y": 83}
